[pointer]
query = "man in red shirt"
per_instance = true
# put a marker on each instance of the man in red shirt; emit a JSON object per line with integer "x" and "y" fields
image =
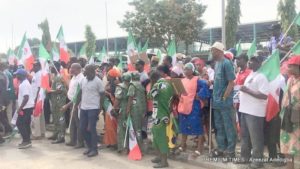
{"x": 241, "y": 76}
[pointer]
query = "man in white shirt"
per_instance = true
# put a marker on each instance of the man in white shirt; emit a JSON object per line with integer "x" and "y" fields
{"x": 91, "y": 96}
{"x": 26, "y": 105}
{"x": 75, "y": 133}
{"x": 38, "y": 123}
{"x": 253, "y": 102}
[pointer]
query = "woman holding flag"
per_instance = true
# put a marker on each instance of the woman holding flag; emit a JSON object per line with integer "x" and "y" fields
{"x": 119, "y": 111}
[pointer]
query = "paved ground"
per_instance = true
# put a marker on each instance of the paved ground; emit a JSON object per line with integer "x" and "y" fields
{"x": 44, "y": 155}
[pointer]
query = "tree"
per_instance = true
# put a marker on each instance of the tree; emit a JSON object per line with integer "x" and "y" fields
{"x": 287, "y": 12}
{"x": 232, "y": 19}
{"x": 90, "y": 40}
{"x": 162, "y": 20}
{"x": 46, "y": 37}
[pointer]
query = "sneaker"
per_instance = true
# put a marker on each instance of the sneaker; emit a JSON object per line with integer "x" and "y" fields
{"x": 25, "y": 145}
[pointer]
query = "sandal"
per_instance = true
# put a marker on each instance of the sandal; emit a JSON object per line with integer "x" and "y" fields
{"x": 197, "y": 153}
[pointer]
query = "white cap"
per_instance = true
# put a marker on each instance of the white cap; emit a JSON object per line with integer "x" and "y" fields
{"x": 218, "y": 45}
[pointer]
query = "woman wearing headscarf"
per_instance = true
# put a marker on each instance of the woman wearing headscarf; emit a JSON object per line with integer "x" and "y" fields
{"x": 189, "y": 108}
{"x": 110, "y": 136}
{"x": 120, "y": 105}
{"x": 290, "y": 133}
{"x": 137, "y": 105}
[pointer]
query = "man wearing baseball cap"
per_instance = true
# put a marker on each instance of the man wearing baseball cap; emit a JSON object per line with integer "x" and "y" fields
{"x": 26, "y": 105}
{"x": 223, "y": 103}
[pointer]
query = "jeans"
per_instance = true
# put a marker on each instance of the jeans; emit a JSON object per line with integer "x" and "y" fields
{"x": 226, "y": 129}
{"x": 23, "y": 124}
{"x": 252, "y": 135}
{"x": 88, "y": 122}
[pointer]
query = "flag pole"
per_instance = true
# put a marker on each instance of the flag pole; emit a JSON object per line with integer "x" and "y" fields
{"x": 285, "y": 56}
{"x": 107, "y": 48}
{"x": 286, "y": 32}
{"x": 223, "y": 24}
{"x": 210, "y": 127}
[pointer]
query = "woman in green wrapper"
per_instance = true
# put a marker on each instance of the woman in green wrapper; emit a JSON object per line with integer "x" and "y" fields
{"x": 137, "y": 106}
{"x": 121, "y": 100}
{"x": 161, "y": 93}
{"x": 58, "y": 99}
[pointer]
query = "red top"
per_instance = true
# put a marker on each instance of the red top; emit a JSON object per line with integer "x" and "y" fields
{"x": 241, "y": 77}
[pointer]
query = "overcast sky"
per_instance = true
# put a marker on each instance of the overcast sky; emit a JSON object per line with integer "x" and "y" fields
{"x": 20, "y": 16}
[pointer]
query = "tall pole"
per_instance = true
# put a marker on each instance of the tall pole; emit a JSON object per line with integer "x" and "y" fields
{"x": 107, "y": 48}
{"x": 12, "y": 36}
{"x": 254, "y": 31}
{"x": 223, "y": 24}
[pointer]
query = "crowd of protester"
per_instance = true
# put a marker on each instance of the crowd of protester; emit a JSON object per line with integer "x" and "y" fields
{"x": 227, "y": 88}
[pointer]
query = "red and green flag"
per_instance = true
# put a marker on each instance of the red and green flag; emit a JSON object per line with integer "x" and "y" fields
{"x": 271, "y": 71}
{"x": 45, "y": 58}
{"x": 11, "y": 57}
{"x": 134, "y": 149}
{"x": 63, "y": 49}
{"x": 25, "y": 55}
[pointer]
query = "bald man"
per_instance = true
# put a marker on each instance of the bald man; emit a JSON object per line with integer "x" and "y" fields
{"x": 76, "y": 138}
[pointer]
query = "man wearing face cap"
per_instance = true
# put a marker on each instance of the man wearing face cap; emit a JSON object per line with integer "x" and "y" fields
{"x": 224, "y": 115}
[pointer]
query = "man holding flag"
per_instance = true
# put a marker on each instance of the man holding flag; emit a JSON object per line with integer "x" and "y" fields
{"x": 254, "y": 91}
{"x": 75, "y": 134}
{"x": 38, "y": 124}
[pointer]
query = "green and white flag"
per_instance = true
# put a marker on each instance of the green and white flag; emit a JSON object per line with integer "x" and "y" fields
{"x": 145, "y": 47}
{"x": 296, "y": 48}
{"x": 82, "y": 52}
{"x": 159, "y": 55}
{"x": 11, "y": 57}
{"x": 252, "y": 49}
{"x": 55, "y": 53}
{"x": 297, "y": 19}
{"x": 238, "y": 48}
{"x": 103, "y": 55}
{"x": 172, "y": 51}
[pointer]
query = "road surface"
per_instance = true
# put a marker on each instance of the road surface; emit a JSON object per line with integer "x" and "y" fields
{"x": 44, "y": 155}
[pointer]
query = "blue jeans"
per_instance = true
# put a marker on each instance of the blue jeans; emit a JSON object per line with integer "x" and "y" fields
{"x": 226, "y": 129}
{"x": 88, "y": 122}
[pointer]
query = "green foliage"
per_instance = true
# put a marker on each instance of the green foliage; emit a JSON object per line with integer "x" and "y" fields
{"x": 161, "y": 20}
{"x": 287, "y": 12}
{"x": 90, "y": 40}
{"x": 46, "y": 37}
{"x": 232, "y": 19}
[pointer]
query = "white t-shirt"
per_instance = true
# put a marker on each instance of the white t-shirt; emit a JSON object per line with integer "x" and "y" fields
{"x": 75, "y": 81}
{"x": 143, "y": 76}
{"x": 91, "y": 90}
{"x": 36, "y": 83}
{"x": 211, "y": 76}
{"x": 26, "y": 89}
{"x": 249, "y": 104}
